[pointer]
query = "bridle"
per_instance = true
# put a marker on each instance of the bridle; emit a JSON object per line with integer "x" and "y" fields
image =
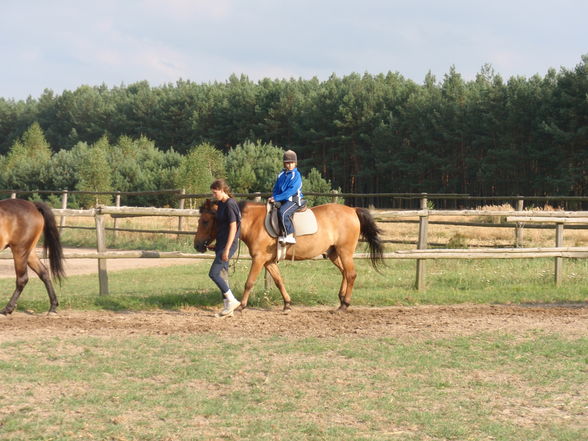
{"x": 206, "y": 210}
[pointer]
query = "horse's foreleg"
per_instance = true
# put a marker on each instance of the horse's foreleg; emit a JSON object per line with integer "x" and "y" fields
{"x": 37, "y": 266}
{"x": 256, "y": 266}
{"x": 21, "y": 280}
{"x": 274, "y": 271}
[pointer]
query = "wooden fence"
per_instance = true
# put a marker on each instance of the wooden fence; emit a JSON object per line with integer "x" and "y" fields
{"x": 421, "y": 254}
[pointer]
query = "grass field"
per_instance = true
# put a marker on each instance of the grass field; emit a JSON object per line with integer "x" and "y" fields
{"x": 491, "y": 386}
{"x": 312, "y": 283}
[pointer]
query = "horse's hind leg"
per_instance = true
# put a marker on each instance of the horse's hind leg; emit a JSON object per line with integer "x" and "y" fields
{"x": 349, "y": 275}
{"x": 22, "y": 277}
{"x": 274, "y": 271}
{"x": 43, "y": 273}
{"x": 254, "y": 270}
{"x": 334, "y": 257}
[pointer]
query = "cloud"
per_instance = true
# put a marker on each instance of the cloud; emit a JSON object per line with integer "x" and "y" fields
{"x": 63, "y": 44}
{"x": 185, "y": 10}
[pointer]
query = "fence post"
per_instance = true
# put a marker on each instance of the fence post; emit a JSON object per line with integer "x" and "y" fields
{"x": 63, "y": 207}
{"x": 519, "y": 225}
{"x": 559, "y": 229}
{"x": 181, "y": 207}
{"x": 115, "y": 220}
{"x": 335, "y": 198}
{"x": 422, "y": 245}
{"x": 101, "y": 248}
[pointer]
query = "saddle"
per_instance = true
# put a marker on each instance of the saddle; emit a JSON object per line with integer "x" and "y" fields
{"x": 304, "y": 221}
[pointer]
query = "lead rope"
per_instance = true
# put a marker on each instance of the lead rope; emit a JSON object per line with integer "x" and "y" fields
{"x": 234, "y": 264}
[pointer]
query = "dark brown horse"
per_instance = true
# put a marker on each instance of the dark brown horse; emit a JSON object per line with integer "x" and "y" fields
{"x": 339, "y": 229}
{"x": 21, "y": 225}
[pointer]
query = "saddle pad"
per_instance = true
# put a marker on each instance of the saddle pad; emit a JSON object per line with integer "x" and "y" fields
{"x": 304, "y": 222}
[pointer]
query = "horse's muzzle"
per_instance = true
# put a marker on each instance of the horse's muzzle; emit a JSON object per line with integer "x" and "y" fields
{"x": 201, "y": 245}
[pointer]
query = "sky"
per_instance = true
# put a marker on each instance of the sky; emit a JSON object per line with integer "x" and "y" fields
{"x": 64, "y": 44}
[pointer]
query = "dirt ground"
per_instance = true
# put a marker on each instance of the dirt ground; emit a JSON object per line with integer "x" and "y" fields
{"x": 404, "y": 323}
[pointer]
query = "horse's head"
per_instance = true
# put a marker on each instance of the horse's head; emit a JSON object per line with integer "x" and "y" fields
{"x": 206, "y": 231}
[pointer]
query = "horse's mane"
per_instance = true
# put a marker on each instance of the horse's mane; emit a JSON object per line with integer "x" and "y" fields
{"x": 242, "y": 205}
{"x": 246, "y": 203}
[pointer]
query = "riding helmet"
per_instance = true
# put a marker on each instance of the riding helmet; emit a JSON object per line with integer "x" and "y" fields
{"x": 290, "y": 156}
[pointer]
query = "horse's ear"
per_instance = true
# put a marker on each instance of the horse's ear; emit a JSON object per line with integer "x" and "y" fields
{"x": 205, "y": 206}
{"x": 209, "y": 206}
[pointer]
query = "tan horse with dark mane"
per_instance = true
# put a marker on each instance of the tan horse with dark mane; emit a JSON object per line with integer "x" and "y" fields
{"x": 339, "y": 230}
{"x": 21, "y": 225}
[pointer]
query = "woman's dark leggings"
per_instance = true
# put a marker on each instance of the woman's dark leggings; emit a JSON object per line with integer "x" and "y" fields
{"x": 219, "y": 270}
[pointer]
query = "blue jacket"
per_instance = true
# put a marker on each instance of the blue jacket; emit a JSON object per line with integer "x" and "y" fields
{"x": 288, "y": 186}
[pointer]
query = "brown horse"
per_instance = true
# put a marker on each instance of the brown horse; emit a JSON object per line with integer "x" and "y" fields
{"x": 21, "y": 225}
{"x": 339, "y": 229}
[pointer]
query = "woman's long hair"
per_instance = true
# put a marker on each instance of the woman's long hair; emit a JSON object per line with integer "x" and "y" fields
{"x": 221, "y": 184}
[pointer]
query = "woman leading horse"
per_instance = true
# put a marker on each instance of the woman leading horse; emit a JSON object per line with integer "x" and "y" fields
{"x": 339, "y": 230}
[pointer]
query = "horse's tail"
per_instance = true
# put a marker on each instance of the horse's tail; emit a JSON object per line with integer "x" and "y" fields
{"x": 52, "y": 242}
{"x": 371, "y": 233}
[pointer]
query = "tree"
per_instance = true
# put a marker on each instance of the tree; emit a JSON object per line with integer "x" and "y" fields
{"x": 567, "y": 127}
{"x": 95, "y": 174}
{"x": 65, "y": 165}
{"x": 199, "y": 168}
{"x": 253, "y": 167}
{"x": 364, "y": 133}
{"x": 28, "y": 161}
{"x": 315, "y": 183}
{"x": 135, "y": 167}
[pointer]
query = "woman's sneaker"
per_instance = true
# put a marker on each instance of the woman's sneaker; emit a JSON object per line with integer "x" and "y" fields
{"x": 290, "y": 239}
{"x": 229, "y": 307}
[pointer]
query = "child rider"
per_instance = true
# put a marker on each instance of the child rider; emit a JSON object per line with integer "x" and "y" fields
{"x": 288, "y": 192}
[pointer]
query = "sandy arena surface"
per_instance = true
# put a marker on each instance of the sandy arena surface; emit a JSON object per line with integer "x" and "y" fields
{"x": 404, "y": 323}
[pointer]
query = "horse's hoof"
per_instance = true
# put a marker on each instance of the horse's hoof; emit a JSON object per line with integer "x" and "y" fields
{"x": 52, "y": 314}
